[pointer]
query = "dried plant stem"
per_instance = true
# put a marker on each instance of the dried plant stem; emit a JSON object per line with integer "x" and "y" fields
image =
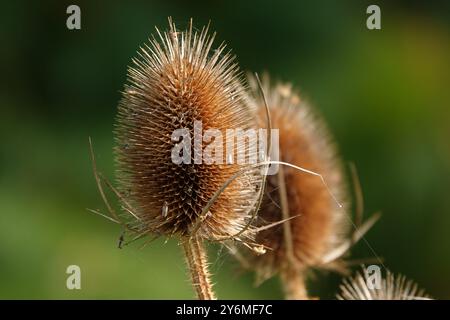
{"x": 293, "y": 284}
{"x": 287, "y": 232}
{"x": 198, "y": 268}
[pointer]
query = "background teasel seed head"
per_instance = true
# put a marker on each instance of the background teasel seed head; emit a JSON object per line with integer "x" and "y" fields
{"x": 321, "y": 225}
{"x": 175, "y": 81}
{"x": 392, "y": 287}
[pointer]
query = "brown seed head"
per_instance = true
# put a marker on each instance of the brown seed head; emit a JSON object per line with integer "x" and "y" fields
{"x": 305, "y": 142}
{"x": 176, "y": 81}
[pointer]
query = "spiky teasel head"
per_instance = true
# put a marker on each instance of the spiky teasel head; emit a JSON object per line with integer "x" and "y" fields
{"x": 175, "y": 82}
{"x": 303, "y": 141}
{"x": 363, "y": 286}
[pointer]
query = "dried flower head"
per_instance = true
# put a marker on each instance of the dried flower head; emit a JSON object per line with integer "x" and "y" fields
{"x": 318, "y": 228}
{"x": 176, "y": 81}
{"x": 393, "y": 287}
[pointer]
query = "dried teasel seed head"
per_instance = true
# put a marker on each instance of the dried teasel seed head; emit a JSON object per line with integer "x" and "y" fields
{"x": 364, "y": 286}
{"x": 176, "y": 81}
{"x": 303, "y": 141}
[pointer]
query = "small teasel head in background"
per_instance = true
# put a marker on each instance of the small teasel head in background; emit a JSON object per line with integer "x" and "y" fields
{"x": 318, "y": 224}
{"x": 368, "y": 285}
{"x": 177, "y": 170}
{"x": 178, "y": 88}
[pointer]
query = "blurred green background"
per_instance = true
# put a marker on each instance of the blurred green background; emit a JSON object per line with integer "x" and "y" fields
{"x": 385, "y": 95}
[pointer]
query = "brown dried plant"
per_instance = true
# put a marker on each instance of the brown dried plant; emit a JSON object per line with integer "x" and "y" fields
{"x": 292, "y": 220}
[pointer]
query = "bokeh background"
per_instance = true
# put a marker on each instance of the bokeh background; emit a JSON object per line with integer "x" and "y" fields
{"x": 385, "y": 95}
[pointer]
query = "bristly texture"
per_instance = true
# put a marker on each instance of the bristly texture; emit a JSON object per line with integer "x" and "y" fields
{"x": 393, "y": 287}
{"x": 176, "y": 80}
{"x": 302, "y": 242}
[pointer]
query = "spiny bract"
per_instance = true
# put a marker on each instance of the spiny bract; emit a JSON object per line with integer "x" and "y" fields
{"x": 176, "y": 81}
